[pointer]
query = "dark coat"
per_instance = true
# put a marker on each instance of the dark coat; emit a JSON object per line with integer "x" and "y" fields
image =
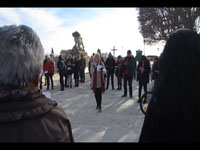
{"x": 131, "y": 65}
{"x": 143, "y": 77}
{"x": 110, "y": 64}
{"x": 76, "y": 68}
{"x": 61, "y": 66}
{"x": 82, "y": 63}
{"x": 32, "y": 117}
{"x": 177, "y": 123}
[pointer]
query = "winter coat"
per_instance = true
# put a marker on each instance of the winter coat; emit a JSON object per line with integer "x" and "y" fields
{"x": 131, "y": 66}
{"x": 61, "y": 66}
{"x": 51, "y": 67}
{"x": 76, "y": 68}
{"x": 98, "y": 77}
{"x": 28, "y": 116}
{"x": 143, "y": 77}
{"x": 70, "y": 69}
{"x": 110, "y": 64}
{"x": 82, "y": 63}
{"x": 45, "y": 66}
{"x": 171, "y": 121}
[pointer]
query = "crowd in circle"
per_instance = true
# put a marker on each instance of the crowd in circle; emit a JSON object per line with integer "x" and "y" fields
{"x": 27, "y": 115}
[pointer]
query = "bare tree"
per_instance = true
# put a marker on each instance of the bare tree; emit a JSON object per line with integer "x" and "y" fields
{"x": 157, "y": 24}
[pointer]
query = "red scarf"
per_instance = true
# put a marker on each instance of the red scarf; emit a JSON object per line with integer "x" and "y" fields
{"x": 95, "y": 81}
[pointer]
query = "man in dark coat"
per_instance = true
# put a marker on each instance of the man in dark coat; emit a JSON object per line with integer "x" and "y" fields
{"x": 82, "y": 68}
{"x": 61, "y": 69}
{"x": 110, "y": 68}
{"x": 128, "y": 70}
{"x": 143, "y": 71}
{"x": 26, "y": 114}
{"x": 76, "y": 71}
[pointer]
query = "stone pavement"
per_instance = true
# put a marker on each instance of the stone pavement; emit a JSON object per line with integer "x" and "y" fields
{"x": 120, "y": 120}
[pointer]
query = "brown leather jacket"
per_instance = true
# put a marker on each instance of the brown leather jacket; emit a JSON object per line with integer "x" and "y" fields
{"x": 28, "y": 116}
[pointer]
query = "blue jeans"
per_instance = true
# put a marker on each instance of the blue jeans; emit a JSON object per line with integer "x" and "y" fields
{"x": 69, "y": 79}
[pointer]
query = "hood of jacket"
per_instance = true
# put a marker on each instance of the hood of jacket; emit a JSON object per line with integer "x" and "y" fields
{"x": 17, "y": 105}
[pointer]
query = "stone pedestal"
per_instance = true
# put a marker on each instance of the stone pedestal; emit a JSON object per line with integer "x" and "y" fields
{"x": 75, "y": 53}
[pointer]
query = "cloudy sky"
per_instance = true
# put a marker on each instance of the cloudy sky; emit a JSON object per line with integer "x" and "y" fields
{"x": 100, "y": 28}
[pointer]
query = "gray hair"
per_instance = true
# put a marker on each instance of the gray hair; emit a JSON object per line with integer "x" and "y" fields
{"x": 21, "y": 55}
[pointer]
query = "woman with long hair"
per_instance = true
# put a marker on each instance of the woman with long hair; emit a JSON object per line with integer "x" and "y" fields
{"x": 98, "y": 80}
{"x": 174, "y": 110}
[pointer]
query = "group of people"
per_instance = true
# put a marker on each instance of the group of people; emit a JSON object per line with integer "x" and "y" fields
{"x": 28, "y": 116}
{"x": 126, "y": 69}
{"x": 68, "y": 67}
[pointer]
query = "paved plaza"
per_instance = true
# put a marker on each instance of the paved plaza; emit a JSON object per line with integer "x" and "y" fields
{"x": 120, "y": 120}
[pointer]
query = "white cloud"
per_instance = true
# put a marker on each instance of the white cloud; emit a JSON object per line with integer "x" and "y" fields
{"x": 45, "y": 20}
{"x": 9, "y": 16}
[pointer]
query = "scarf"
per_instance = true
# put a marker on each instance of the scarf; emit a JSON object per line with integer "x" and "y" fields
{"x": 95, "y": 81}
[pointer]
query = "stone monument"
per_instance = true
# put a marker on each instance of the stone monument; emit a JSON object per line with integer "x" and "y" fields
{"x": 77, "y": 49}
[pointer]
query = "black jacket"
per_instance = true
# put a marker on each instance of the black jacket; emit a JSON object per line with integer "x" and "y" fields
{"x": 61, "y": 66}
{"x": 143, "y": 76}
{"x": 31, "y": 117}
{"x": 110, "y": 64}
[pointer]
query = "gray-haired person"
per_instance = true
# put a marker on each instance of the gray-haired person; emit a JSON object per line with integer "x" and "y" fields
{"x": 26, "y": 115}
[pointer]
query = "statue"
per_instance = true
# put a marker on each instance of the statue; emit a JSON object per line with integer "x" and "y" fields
{"x": 78, "y": 41}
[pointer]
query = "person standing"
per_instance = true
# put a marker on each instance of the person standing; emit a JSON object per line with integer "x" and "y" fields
{"x": 50, "y": 73}
{"x": 69, "y": 67}
{"x": 173, "y": 112}
{"x": 143, "y": 71}
{"x": 76, "y": 71}
{"x": 128, "y": 69}
{"x": 61, "y": 69}
{"x": 45, "y": 74}
{"x": 27, "y": 116}
{"x": 90, "y": 68}
{"x": 82, "y": 68}
{"x": 110, "y": 67}
{"x": 118, "y": 72}
{"x": 98, "y": 80}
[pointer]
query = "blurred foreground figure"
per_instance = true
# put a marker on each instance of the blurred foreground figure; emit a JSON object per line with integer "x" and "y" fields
{"x": 173, "y": 112}
{"x": 25, "y": 114}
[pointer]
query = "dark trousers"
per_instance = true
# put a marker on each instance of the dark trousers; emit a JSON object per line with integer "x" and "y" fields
{"x": 61, "y": 80}
{"x": 98, "y": 97}
{"x": 128, "y": 79}
{"x": 82, "y": 75}
{"x": 140, "y": 88}
{"x": 51, "y": 78}
{"x": 76, "y": 79}
{"x": 66, "y": 83}
{"x": 110, "y": 74}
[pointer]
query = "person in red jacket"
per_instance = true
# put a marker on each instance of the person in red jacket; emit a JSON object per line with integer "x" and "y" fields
{"x": 49, "y": 71}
